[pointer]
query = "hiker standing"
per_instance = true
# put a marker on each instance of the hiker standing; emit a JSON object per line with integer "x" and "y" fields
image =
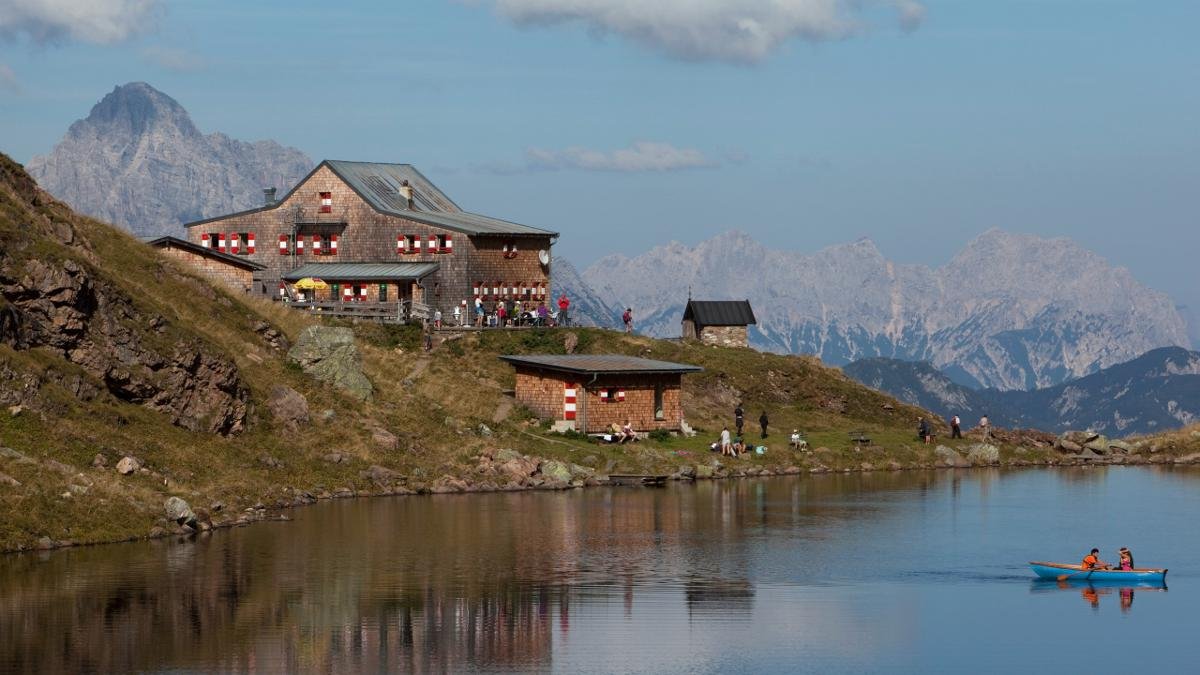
{"x": 564, "y": 306}
{"x": 479, "y": 312}
{"x": 627, "y": 318}
{"x": 955, "y": 427}
{"x": 923, "y": 430}
{"x": 985, "y": 427}
{"x": 762, "y": 422}
{"x": 739, "y": 418}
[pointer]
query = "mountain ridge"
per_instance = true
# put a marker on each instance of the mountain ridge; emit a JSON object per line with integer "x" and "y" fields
{"x": 1014, "y": 311}
{"x": 1157, "y": 391}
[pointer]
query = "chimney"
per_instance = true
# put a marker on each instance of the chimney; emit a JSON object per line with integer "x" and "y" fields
{"x": 269, "y": 196}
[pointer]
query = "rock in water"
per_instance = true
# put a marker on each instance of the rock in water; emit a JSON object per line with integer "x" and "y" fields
{"x": 330, "y": 355}
{"x": 128, "y": 465}
{"x": 179, "y": 512}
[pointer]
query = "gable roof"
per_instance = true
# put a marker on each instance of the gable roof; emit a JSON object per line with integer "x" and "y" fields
{"x": 719, "y": 312}
{"x": 597, "y": 364}
{"x": 362, "y": 271}
{"x": 378, "y": 184}
{"x": 176, "y": 242}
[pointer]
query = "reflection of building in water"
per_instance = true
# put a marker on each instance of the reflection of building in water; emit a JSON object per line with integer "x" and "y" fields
{"x": 727, "y": 597}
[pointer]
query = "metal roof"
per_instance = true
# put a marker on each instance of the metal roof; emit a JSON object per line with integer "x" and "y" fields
{"x": 594, "y": 364}
{"x": 719, "y": 312}
{"x": 362, "y": 271}
{"x": 176, "y": 242}
{"x": 378, "y": 183}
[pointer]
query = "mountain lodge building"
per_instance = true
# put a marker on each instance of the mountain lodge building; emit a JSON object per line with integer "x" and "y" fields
{"x": 718, "y": 322}
{"x": 591, "y": 392}
{"x": 378, "y": 233}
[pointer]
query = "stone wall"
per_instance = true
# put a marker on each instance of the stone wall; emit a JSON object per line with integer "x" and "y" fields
{"x": 235, "y": 277}
{"x": 725, "y": 336}
{"x": 542, "y": 392}
{"x": 365, "y": 235}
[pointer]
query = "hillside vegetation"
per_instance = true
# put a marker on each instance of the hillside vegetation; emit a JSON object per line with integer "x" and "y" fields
{"x": 108, "y": 351}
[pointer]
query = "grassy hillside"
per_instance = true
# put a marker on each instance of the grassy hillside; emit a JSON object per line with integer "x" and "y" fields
{"x": 426, "y": 421}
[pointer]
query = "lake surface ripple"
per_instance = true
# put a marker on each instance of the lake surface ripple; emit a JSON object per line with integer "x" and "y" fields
{"x": 898, "y": 572}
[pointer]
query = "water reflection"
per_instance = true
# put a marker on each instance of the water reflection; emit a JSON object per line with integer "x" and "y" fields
{"x": 779, "y": 568}
{"x": 1092, "y": 593}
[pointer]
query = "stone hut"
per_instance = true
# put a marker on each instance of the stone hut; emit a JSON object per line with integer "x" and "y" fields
{"x": 590, "y": 393}
{"x": 220, "y": 267}
{"x": 392, "y": 219}
{"x": 718, "y": 322}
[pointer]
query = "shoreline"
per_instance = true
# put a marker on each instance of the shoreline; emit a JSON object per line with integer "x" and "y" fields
{"x": 276, "y": 512}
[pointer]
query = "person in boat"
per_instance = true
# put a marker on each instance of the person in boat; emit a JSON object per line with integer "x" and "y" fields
{"x": 1126, "y": 559}
{"x": 1092, "y": 561}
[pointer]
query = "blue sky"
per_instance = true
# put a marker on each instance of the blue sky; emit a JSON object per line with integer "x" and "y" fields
{"x": 625, "y": 124}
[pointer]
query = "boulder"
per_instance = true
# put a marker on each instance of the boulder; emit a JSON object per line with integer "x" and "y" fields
{"x": 949, "y": 457}
{"x": 506, "y": 454}
{"x": 380, "y": 475}
{"x": 485, "y": 430}
{"x": 99, "y": 461}
{"x": 1099, "y": 445}
{"x": 983, "y": 453}
{"x": 330, "y": 355}
{"x": 1120, "y": 446}
{"x": 1089, "y": 454}
{"x": 1079, "y": 437}
{"x": 179, "y": 512}
{"x": 335, "y": 458}
{"x": 687, "y": 472}
{"x": 288, "y": 407}
{"x": 1188, "y": 459}
{"x": 704, "y": 471}
{"x": 518, "y": 469}
{"x": 269, "y": 461}
{"x": 448, "y": 484}
{"x": 578, "y": 471}
{"x": 570, "y": 342}
{"x": 1066, "y": 445}
{"x": 127, "y": 465}
{"x": 556, "y": 471}
{"x": 6, "y": 479}
{"x": 384, "y": 439}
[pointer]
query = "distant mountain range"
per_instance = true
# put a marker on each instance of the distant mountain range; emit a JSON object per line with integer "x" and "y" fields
{"x": 1157, "y": 391}
{"x": 1010, "y": 311}
{"x": 138, "y": 161}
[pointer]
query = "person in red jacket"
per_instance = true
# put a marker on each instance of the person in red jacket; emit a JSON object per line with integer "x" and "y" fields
{"x": 564, "y": 305}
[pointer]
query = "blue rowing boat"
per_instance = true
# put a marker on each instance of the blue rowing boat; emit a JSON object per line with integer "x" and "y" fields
{"x": 1061, "y": 572}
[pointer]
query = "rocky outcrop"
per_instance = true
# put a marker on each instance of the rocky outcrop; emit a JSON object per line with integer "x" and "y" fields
{"x": 288, "y": 407}
{"x": 1009, "y": 311}
{"x": 55, "y": 299}
{"x": 330, "y": 355}
{"x": 138, "y": 161}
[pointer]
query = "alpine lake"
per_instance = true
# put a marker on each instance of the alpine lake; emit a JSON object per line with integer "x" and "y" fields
{"x": 906, "y": 571}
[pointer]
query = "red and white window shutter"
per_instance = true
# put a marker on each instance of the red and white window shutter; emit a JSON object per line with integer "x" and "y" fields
{"x": 250, "y": 243}
{"x": 204, "y": 241}
{"x": 604, "y": 395}
{"x": 620, "y": 395}
{"x": 348, "y": 292}
{"x": 569, "y": 393}
{"x": 233, "y": 242}
{"x": 299, "y": 245}
{"x": 333, "y": 244}
{"x": 326, "y": 202}
{"x": 449, "y": 244}
{"x": 221, "y": 242}
{"x": 316, "y": 244}
{"x": 400, "y": 244}
{"x": 283, "y": 242}
{"x": 362, "y": 292}
{"x": 433, "y": 243}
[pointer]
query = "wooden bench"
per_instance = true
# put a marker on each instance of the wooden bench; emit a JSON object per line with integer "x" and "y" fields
{"x": 859, "y": 437}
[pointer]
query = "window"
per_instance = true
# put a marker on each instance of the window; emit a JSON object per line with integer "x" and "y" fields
{"x": 358, "y": 293}
{"x": 212, "y": 240}
{"x": 326, "y": 202}
{"x": 335, "y": 292}
{"x": 383, "y": 293}
{"x": 444, "y": 243}
{"x": 659, "y": 413}
{"x": 245, "y": 244}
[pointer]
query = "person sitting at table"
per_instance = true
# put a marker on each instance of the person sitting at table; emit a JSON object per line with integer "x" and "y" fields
{"x": 627, "y": 433}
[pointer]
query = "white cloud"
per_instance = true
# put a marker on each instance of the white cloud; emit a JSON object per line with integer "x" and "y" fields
{"x": 640, "y": 156}
{"x": 8, "y": 79}
{"x": 737, "y": 31}
{"x": 178, "y": 60}
{"x": 94, "y": 21}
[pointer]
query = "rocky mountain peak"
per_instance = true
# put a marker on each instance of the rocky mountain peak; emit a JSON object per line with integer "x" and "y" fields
{"x": 137, "y": 107}
{"x": 138, "y": 161}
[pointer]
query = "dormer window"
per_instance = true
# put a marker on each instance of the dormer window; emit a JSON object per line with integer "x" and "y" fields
{"x": 326, "y": 202}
